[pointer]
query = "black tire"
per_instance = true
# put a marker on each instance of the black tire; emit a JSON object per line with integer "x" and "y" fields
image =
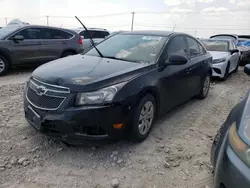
{"x": 136, "y": 133}
{"x": 227, "y": 72}
{"x": 68, "y": 53}
{"x": 205, "y": 83}
{"x": 4, "y": 65}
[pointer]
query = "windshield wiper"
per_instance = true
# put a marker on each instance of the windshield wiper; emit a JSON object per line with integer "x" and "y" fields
{"x": 90, "y": 37}
{"x": 130, "y": 60}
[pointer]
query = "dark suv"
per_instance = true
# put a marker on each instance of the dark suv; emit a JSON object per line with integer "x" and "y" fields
{"x": 25, "y": 44}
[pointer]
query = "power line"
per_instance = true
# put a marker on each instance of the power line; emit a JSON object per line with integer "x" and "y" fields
{"x": 194, "y": 27}
{"x": 103, "y": 15}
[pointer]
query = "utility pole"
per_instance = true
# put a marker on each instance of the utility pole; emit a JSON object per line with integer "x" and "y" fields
{"x": 47, "y": 17}
{"x": 6, "y": 21}
{"x": 133, "y": 17}
{"x": 195, "y": 33}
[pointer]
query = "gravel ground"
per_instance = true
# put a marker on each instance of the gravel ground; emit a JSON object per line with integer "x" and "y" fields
{"x": 176, "y": 154}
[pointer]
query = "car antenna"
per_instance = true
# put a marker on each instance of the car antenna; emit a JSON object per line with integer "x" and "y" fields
{"x": 90, "y": 37}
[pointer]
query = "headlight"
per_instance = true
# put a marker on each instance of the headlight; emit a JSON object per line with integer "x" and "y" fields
{"x": 238, "y": 145}
{"x": 219, "y": 60}
{"x": 101, "y": 96}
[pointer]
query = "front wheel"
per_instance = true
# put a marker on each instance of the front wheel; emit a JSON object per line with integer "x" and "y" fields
{"x": 143, "y": 119}
{"x": 226, "y": 75}
{"x": 205, "y": 86}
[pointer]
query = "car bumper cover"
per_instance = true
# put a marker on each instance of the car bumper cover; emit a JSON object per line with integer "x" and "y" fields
{"x": 232, "y": 171}
{"x": 83, "y": 122}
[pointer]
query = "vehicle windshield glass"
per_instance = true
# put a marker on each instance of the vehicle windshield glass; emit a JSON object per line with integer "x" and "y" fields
{"x": 8, "y": 30}
{"x": 131, "y": 47}
{"x": 214, "y": 45}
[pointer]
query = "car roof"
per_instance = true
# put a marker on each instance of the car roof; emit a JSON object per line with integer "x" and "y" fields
{"x": 92, "y": 29}
{"x": 43, "y": 26}
{"x": 225, "y": 40}
{"x": 150, "y": 32}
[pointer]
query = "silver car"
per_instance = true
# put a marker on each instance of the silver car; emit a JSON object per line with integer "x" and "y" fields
{"x": 225, "y": 55}
{"x": 97, "y": 35}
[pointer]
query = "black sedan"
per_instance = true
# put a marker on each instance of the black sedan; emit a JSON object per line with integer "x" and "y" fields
{"x": 230, "y": 154}
{"x": 118, "y": 87}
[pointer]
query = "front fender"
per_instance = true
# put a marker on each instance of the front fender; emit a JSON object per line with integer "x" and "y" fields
{"x": 135, "y": 89}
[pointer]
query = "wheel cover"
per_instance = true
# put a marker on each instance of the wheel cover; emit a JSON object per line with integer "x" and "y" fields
{"x": 146, "y": 118}
{"x": 2, "y": 65}
{"x": 206, "y": 85}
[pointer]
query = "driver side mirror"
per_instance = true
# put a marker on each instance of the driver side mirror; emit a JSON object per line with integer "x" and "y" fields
{"x": 234, "y": 51}
{"x": 247, "y": 69}
{"x": 177, "y": 60}
{"x": 18, "y": 38}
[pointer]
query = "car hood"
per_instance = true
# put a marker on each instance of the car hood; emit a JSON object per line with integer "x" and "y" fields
{"x": 219, "y": 55}
{"x": 79, "y": 71}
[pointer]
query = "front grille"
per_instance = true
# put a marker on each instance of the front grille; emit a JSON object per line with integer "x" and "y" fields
{"x": 45, "y": 96}
{"x": 43, "y": 101}
{"x": 50, "y": 87}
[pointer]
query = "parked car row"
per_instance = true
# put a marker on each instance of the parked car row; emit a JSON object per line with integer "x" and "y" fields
{"x": 122, "y": 84}
{"x": 118, "y": 88}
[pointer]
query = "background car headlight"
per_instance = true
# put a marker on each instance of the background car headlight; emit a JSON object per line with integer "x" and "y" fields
{"x": 238, "y": 145}
{"x": 219, "y": 60}
{"x": 101, "y": 96}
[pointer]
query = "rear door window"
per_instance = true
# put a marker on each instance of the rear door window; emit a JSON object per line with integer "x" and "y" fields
{"x": 55, "y": 34}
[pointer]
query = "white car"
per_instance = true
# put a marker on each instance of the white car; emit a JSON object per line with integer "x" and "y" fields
{"x": 97, "y": 35}
{"x": 225, "y": 55}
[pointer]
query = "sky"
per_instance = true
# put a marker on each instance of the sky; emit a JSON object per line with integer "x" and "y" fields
{"x": 200, "y": 18}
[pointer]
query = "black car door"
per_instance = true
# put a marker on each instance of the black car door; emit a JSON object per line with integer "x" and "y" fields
{"x": 197, "y": 61}
{"x": 173, "y": 78}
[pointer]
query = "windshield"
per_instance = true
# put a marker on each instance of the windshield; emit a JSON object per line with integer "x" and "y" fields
{"x": 214, "y": 45}
{"x": 224, "y": 37}
{"x": 8, "y": 30}
{"x": 137, "y": 48}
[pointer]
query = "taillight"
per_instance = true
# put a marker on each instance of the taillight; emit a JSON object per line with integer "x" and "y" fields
{"x": 80, "y": 40}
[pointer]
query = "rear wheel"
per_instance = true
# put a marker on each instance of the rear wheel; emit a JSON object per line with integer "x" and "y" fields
{"x": 143, "y": 119}
{"x": 4, "y": 65}
{"x": 205, "y": 86}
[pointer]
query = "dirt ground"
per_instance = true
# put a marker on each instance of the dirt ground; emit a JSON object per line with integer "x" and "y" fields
{"x": 176, "y": 154}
